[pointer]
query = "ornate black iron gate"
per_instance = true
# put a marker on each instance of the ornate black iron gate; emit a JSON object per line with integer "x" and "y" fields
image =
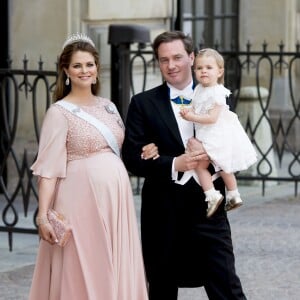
{"x": 274, "y": 130}
{"x": 23, "y": 91}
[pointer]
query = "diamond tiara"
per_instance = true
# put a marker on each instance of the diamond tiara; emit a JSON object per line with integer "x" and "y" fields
{"x": 78, "y": 37}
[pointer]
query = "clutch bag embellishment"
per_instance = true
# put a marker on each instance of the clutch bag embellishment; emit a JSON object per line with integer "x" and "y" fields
{"x": 60, "y": 226}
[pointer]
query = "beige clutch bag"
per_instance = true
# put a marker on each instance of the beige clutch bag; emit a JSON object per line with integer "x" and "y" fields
{"x": 60, "y": 225}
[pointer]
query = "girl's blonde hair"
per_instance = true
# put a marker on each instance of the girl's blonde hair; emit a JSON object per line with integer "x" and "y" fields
{"x": 217, "y": 56}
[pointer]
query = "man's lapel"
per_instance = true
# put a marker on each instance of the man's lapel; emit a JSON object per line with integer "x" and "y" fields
{"x": 164, "y": 109}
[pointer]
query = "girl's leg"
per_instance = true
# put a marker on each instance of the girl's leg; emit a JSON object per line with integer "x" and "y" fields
{"x": 229, "y": 180}
{"x": 233, "y": 199}
{"x": 204, "y": 175}
{"x": 213, "y": 197}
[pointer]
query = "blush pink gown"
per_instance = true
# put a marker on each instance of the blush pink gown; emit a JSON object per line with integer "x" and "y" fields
{"x": 102, "y": 260}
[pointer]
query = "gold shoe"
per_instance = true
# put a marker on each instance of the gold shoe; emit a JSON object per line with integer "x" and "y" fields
{"x": 233, "y": 203}
{"x": 213, "y": 203}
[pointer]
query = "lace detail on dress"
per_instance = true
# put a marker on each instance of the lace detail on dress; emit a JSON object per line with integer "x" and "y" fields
{"x": 83, "y": 139}
{"x": 205, "y": 98}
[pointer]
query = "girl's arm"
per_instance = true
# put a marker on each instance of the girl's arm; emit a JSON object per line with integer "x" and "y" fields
{"x": 209, "y": 118}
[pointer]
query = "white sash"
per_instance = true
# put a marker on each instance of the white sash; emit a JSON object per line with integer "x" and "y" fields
{"x": 105, "y": 131}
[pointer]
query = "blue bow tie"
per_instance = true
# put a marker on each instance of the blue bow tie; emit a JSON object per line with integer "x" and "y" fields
{"x": 181, "y": 101}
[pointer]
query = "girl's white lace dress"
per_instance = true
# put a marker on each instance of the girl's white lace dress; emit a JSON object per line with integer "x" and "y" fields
{"x": 225, "y": 141}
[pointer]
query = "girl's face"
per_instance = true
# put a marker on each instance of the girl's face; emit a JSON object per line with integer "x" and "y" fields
{"x": 207, "y": 71}
{"x": 82, "y": 69}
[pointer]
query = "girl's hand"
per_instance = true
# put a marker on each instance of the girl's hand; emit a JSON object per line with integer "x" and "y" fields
{"x": 150, "y": 151}
{"x": 186, "y": 113}
{"x": 183, "y": 111}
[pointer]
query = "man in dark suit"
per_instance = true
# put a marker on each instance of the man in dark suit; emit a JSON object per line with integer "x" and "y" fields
{"x": 181, "y": 246}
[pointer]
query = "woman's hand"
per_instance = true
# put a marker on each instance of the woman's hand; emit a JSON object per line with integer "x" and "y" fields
{"x": 46, "y": 194}
{"x": 150, "y": 151}
{"x": 46, "y": 231}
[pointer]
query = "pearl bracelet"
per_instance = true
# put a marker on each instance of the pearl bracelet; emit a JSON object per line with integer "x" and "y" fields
{"x": 41, "y": 220}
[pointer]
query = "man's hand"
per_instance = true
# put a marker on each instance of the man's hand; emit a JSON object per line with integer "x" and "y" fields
{"x": 193, "y": 154}
{"x": 195, "y": 145}
{"x": 188, "y": 161}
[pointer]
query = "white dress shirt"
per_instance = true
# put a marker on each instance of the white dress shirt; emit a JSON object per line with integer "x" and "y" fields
{"x": 186, "y": 129}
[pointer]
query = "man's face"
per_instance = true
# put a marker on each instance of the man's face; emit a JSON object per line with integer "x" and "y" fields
{"x": 175, "y": 63}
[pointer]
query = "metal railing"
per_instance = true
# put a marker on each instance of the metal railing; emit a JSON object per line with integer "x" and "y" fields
{"x": 279, "y": 159}
{"x": 23, "y": 92}
{"x": 20, "y": 89}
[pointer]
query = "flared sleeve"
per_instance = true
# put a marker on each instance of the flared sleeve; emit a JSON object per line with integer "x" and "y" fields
{"x": 51, "y": 161}
{"x": 220, "y": 93}
{"x": 205, "y": 98}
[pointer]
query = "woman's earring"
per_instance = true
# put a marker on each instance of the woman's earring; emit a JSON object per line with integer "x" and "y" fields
{"x": 67, "y": 82}
{"x": 94, "y": 81}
